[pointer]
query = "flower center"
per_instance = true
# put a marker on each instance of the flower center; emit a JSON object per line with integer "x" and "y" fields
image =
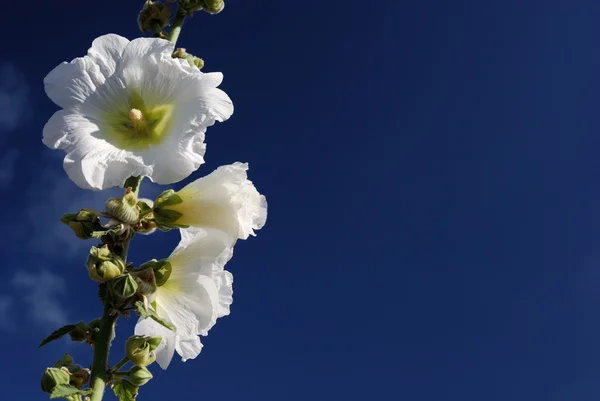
{"x": 139, "y": 122}
{"x": 143, "y": 124}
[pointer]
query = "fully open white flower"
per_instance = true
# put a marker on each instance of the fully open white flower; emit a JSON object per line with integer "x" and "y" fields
{"x": 225, "y": 200}
{"x": 197, "y": 292}
{"x": 129, "y": 108}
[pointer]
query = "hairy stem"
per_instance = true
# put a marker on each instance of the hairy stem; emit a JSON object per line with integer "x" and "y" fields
{"x": 101, "y": 347}
{"x": 177, "y": 24}
{"x": 108, "y": 321}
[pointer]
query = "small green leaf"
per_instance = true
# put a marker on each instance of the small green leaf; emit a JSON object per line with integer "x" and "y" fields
{"x": 56, "y": 334}
{"x": 150, "y": 313}
{"x": 66, "y": 390}
{"x": 125, "y": 391}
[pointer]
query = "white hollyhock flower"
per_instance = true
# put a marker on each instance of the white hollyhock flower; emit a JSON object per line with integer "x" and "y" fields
{"x": 129, "y": 108}
{"x": 225, "y": 200}
{"x": 197, "y": 292}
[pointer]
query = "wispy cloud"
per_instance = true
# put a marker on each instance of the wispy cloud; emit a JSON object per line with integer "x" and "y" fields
{"x": 6, "y": 321}
{"x": 14, "y": 97}
{"x": 41, "y": 292}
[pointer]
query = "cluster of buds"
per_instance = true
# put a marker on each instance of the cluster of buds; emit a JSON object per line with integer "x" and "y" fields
{"x": 192, "y": 60}
{"x": 64, "y": 372}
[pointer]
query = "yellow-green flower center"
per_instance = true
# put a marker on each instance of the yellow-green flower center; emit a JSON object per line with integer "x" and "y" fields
{"x": 140, "y": 126}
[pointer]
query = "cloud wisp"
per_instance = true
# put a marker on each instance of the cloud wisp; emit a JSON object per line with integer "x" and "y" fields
{"x": 40, "y": 291}
{"x": 14, "y": 97}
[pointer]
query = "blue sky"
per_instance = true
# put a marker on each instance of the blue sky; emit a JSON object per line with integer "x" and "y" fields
{"x": 432, "y": 176}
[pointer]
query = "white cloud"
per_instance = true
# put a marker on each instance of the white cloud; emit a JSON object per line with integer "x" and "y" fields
{"x": 14, "y": 98}
{"x": 6, "y": 321}
{"x": 40, "y": 291}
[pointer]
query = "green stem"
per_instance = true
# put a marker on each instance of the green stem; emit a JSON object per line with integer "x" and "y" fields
{"x": 119, "y": 365}
{"x": 99, "y": 376}
{"x": 101, "y": 347}
{"x": 177, "y": 24}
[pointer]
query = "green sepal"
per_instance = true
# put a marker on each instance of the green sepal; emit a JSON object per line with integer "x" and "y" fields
{"x": 125, "y": 391}
{"x": 145, "y": 206}
{"x": 66, "y": 390}
{"x": 150, "y": 313}
{"x": 58, "y": 333}
{"x": 167, "y": 198}
{"x": 123, "y": 286}
{"x": 161, "y": 268}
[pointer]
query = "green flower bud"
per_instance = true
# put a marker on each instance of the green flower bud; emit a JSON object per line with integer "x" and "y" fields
{"x": 87, "y": 215}
{"x": 79, "y": 333}
{"x": 53, "y": 377}
{"x": 124, "y": 286}
{"x": 83, "y": 223}
{"x": 124, "y": 209}
{"x": 139, "y": 375}
{"x": 139, "y": 349}
{"x": 104, "y": 265}
{"x": 154, "y": 16}
{"x": 198, "y": 62}
{"x": 213, "y": 6}
{"x": 179, "y": 53}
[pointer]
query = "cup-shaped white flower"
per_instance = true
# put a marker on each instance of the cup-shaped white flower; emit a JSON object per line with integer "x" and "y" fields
{"x": 130, "y": 108}
{"x": 225, "y": 200}
{"x": 196, "y": 293}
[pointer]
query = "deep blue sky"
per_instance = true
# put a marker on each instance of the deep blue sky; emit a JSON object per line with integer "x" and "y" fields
{"x": 432, "y": 173}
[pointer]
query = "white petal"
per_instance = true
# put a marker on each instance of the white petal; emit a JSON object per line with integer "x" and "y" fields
{"x": 224, "y": 199}
{"x": 106, "y": 50}
{"x": 164, "y": 352}
{"x": 189, "y": 301}
{"x": 65, "y": 128}
{"x": 96, "y": 164}
{"x": 188, "y": 347}
{"x": 70, "y": 84}
{"x": 224, "y": 282}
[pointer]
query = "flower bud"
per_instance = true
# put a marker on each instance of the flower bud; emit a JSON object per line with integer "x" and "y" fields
{"x": 79, "y": 333}
{"x": 139, "y": 375}
{"x": 213, "y": 6}
{"x": 124, "y": 209}
{"x": 179, "y": 53}
{"x": 83, "y": 223}
{"x": 139, "y": 349}
{"x": 198, "y": 62}
{"x": 154, "y": 16}
{"x": 124, "y": 286}
{"x": 53, "y": 377}
{"x": 104, "y": 265}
